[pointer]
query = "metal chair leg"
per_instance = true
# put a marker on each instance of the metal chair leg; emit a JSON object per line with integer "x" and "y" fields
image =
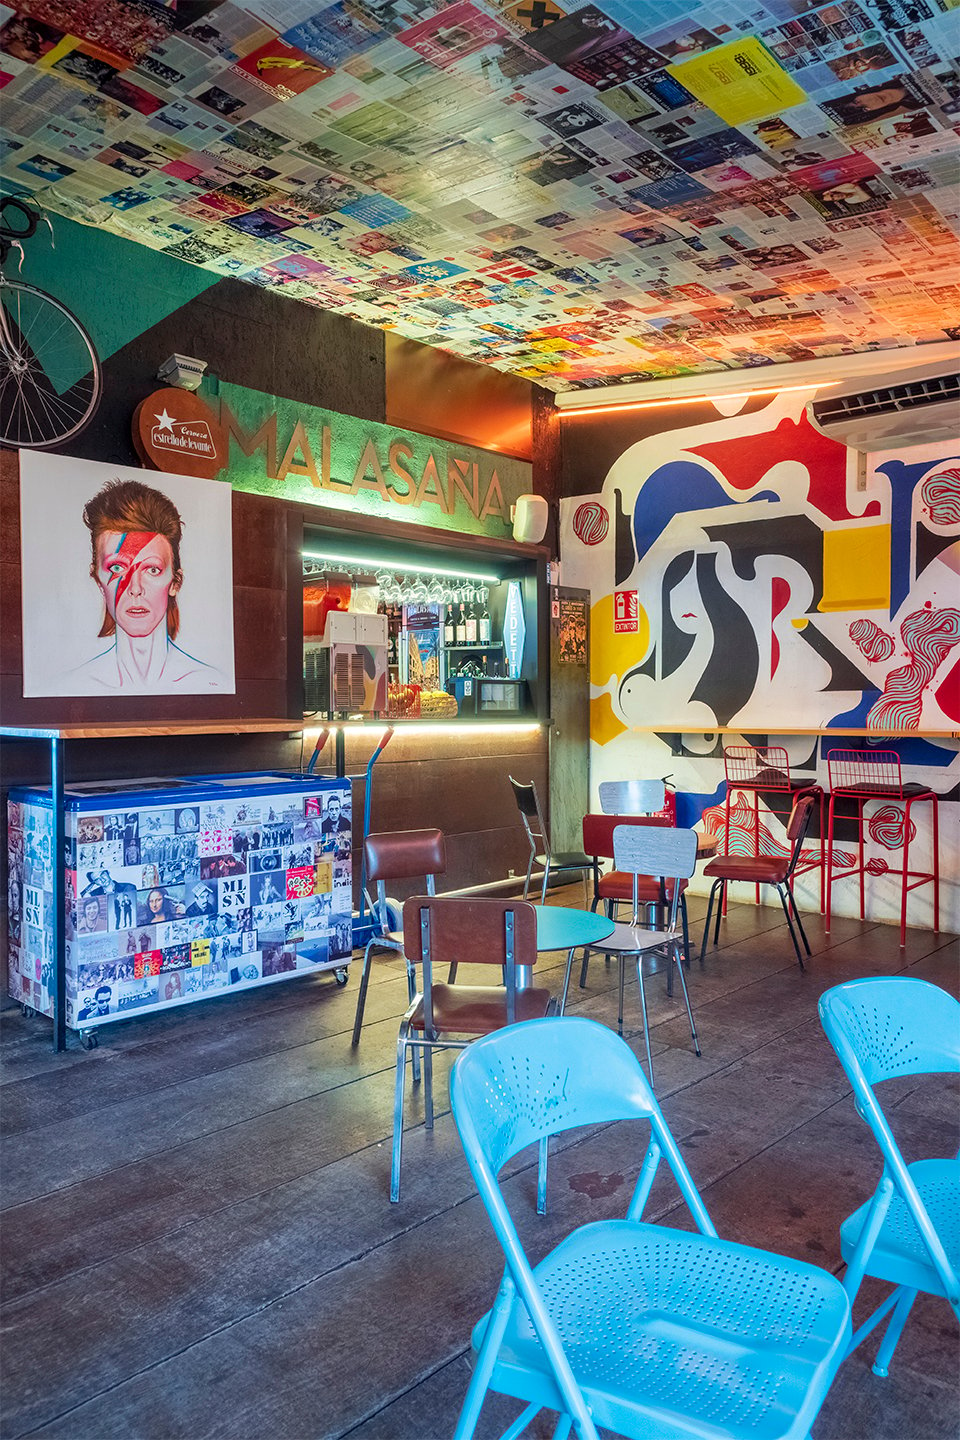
{"x": 583, "y": 967}
{"x": 362, "y": 995}
{"x": 935, "y": 831}
{"x": 686, "y": 928}
{"x": 526, "y": 883}
{"x": 706, "y": 926}
{"x": 542, "y": 1175}
{"x": 781, "y": 891}
{"x": 686, "y": 1001}
{"x": 620, "y": 1008}
{"x": 893, "y": 1331}
{"x": 796, "y": 916}
{"x": 721, "y": 910}
{"x": 398, "y": 1117}
{"x": 428, "y": 1087}
{"x": 566, "y": 983}
{"x": 643, "y": 1008}
{"x": 546, "y": 882}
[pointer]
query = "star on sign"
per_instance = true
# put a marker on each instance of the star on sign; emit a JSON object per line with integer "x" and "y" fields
{"x": 166, "y": 421}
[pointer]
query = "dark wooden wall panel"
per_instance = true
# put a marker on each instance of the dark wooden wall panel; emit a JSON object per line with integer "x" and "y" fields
{"x": 260, "y": 545}
{"x": 282, "y": 347}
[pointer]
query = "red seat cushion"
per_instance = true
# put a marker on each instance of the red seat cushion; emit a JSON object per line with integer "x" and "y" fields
{"x": 762, "y": 869}
{"x": 618, "y": 885}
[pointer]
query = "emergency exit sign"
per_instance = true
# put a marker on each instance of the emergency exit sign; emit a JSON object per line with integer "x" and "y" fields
{"x": 626, "y": 612}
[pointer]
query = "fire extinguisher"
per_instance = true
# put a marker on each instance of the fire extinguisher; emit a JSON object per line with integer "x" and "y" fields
{"x": 669, "y": 812}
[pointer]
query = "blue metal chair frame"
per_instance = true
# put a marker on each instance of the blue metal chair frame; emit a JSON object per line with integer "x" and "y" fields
{"x": 633, "y": 1327}
{"x": 909, "y": 1232}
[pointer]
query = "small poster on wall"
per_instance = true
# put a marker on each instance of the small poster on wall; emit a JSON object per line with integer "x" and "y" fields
{"x": 127, "y": 581}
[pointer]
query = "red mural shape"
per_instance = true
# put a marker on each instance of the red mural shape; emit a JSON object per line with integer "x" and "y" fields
{"x": 871, "y": 641}
{"x": 744, "y": 463}
{"x": 940, "y": 496}
{"x": 948, "y": 695}
{"x": 929, "y": 636}
{"x": 779, "y": 599}
{"x": 886, "y": 827}
{"x": 591, "y": 523}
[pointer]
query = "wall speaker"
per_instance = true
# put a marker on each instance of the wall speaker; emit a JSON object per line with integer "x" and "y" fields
{"x": 530, "y": 515}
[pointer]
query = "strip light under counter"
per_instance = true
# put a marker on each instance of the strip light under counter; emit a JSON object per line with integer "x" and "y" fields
{"x": 439, "y": 727}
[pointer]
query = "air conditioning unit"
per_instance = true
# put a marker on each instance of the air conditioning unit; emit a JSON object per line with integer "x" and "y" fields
{"x": 905, "y": 407}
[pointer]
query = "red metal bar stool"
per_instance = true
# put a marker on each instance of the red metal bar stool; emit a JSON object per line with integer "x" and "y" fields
{"x": 765, "y": 769}
{"x": 859, "y": 776}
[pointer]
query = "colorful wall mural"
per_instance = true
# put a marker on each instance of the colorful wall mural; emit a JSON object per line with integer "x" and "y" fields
{"x": 744, "y": 579}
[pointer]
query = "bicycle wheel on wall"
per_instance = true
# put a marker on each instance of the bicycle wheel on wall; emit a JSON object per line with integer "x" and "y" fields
{"x": 50, "y": 378}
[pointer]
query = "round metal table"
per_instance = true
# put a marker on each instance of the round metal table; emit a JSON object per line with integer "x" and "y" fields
{"x": 560, "y": 928}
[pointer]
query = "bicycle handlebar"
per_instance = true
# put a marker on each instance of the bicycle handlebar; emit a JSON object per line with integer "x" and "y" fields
{"x": 30, "y": 216}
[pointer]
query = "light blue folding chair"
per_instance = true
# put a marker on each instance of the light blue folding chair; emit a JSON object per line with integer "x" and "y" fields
{"x": 909, "y": 1232}
{"x": 637, "y": 1328}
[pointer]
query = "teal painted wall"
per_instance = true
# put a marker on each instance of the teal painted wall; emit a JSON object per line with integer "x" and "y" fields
{"x": 116, "y": 288}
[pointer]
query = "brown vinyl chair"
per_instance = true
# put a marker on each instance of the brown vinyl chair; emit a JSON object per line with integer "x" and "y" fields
{"x": 449, "y": 931}
{"x": 396, "y": 855}
{"x": 775, "y": 870}
{"x": 541, "y": 853}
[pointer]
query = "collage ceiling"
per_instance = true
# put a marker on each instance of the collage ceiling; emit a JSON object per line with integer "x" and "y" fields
{"x": 581, "y": 194}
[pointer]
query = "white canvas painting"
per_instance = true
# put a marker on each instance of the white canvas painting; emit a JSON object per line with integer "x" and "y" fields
{"x": 127, "y": 580}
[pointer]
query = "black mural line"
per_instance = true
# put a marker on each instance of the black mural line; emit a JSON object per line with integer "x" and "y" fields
{"x": 730, "y": 675}
{"x": 929, "y": 546}
{"x": 675, "y": 644}
{"x": 844, "y": 675}
{"x": 624, "y": 554}
{"x": 794, "y": 536}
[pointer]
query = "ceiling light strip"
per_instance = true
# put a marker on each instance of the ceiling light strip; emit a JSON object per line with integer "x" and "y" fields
{"x": 682, "y": 400}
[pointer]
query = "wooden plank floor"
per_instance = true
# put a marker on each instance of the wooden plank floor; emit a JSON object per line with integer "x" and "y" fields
{"x": 197, "y": 1242}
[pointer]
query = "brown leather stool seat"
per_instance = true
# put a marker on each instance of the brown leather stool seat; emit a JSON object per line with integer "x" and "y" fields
{"x": 478, "y": 1009}
{"x": 760, "y": 869}
{"x": 618, "y": 885}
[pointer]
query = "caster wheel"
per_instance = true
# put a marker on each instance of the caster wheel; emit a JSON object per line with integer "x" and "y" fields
{"x": 90, "y": 1041}
{"x": 340, "y": 975}
{"x": 27, "y": 1011}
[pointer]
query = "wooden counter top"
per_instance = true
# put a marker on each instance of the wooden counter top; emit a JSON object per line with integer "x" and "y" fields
{"x": 94, "y": 730}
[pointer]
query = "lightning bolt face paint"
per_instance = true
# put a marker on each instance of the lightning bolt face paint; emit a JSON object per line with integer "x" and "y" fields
{"x": 136, "y": 577}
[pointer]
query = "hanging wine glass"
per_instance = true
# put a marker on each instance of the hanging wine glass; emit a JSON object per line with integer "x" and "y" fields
{"x": 435, "y": 591}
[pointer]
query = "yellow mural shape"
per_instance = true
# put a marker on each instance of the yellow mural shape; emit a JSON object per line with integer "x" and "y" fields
{"x": 739, "y": 81}
{"x": 604, "y": 725}
{"x": 856, "y": 568}
{"x": 612, "y": 654}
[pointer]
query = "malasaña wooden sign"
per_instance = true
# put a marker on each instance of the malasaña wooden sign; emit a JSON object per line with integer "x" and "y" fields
{"x": 272, "y": 446}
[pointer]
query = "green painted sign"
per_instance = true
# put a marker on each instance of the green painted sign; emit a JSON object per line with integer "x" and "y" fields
{"x": 298, "y": 452}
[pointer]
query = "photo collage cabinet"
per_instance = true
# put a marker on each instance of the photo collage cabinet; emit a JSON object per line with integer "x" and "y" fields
{"x": 178, "y": 889}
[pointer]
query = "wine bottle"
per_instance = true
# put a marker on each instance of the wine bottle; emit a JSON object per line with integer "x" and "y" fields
{"x": 449, "y": 628}
{"x": 485, "y": 630}
{"x": 461, "y": 628}
{"x": 471, "y": 624}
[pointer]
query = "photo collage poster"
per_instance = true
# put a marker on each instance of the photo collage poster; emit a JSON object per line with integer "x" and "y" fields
{"x": 580, "y": 194}
{"x": 173, "y": 900}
